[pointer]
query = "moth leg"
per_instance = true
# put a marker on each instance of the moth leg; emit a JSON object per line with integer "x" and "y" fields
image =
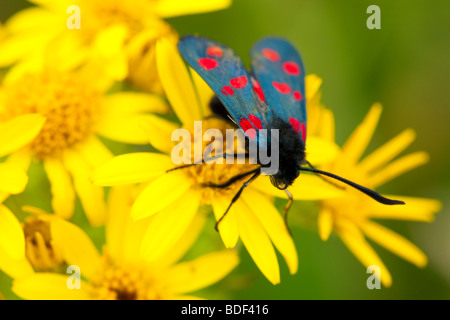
{"x": 286, "y": 209}
{"x": 203, "y": 161}
{"x": 231, "y": 180}
{"x": 256, "y": 173}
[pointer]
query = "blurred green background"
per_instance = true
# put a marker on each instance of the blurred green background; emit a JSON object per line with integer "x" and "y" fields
{"x": 405, "y": 65}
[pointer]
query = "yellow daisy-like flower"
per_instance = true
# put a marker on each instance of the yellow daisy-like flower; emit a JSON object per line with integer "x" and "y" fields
{"x": 352, "y": 216}
{"x": 177, "y": 195}
{"x": 76, "y": 113}
{"x": 54, "y": 248}
{"x": 27, "y": 247}
{"x": 115, "y": 38}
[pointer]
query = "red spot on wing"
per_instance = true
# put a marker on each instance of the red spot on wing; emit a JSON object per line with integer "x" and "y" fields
{"x": 214, "y": 51}
{"x": 258, "y": 90}
{"x": 298, "y": 95}
{"x": 245, "y": 124}
{"x": 227, "y": 90}
{"x": 303, "y": 130}
{"x": 295, "y": 124}
{"x": 251, "y": 133}
{"x": 271, "y": 54}
{"x": 255, "y": 121}
{"x": 239, "y": 82}
{"x": 298, "y": 126}
{"x": 284, "y": 88}
{"x": 292, "y": 68}
{"x": 207, "y": 63}
{"x": 248, "y": 128}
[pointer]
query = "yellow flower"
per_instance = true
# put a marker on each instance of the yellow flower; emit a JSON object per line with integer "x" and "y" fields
{"x": 176, "y": 196}
{"x": 121, "y": 271}
{"x": 116, "y": 38}
{"x": 68, "y": 145}
{"x": 27, "y": 246}
{"x": 13, "y": 178}
{"x": 352, "y": 216}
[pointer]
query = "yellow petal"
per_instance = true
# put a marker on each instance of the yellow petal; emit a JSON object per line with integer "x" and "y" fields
{"x": 327, "y": 130}
{"x": 357, "y": 143}
{"x": 204, "y": 92}
{"x": 19, "y": 131}
{"x": 13, "y": 267}
{"x": 32, "y": 18}
{"x": 415, "y": 209}
{"x": 77, "y": 248}
{"x": 32, "y": 64}
{"x": 274, "y": 225}
{"x": 228, "y": 229}
{"x": 13, "y": 179}
{"x": 119, "y": 203}
{"x": 94, "y": 151}
{"x": 312, "y": 85}
{"x": 91, "y": 196}
{"x": 398, "y": 167}
{"x": 159, "y": 194}
{"x": 48, "y": 286}
{"x": 177, "y": 83}
{"x": 388, "y": 151}
{"x": 201, "y": 272}
{"x": 306, "y": 187}
{"x": 354, "y": 240}
{"x": 325, "y": 223}
{"x": 63, "y": 194}
{"x": 123, "y": 113}
{"x": 12, "y": 240}
{"x": 21, "y": 158}
{"x": 167, "y": 227}
{"x": 395, "y": 243}
{"x": 132, "y": 235}
{"x": 131, "y": 168}
{"x": 59, "y": 53}
{"x": 126, "y": 130}
{"x": 18, "y": 46}
{"x": 257, "y": 242}
{"x": 172, "y": 8}
{"x": 320, "y": 151}
{"x": 109, "y": 41}
{"x": 158, "y": 131}
{"x": 123, "y": 104}
{"x": 186, "y": 241}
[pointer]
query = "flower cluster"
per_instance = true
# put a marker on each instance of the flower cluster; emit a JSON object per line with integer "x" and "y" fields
{"x": 75, "y": 100}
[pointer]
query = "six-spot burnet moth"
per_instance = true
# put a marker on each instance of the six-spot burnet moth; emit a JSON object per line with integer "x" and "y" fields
{"x": 271, "y": 96}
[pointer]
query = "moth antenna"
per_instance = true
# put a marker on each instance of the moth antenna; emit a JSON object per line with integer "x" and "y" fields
{"x": 374, "y": 195}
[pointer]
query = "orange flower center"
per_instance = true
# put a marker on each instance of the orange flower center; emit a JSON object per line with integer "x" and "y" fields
{"x": 216, "y": 173}
{"x": 39, "y": 249}
{"x": 69, "y": 104}
{"x": 125, "y": 283}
